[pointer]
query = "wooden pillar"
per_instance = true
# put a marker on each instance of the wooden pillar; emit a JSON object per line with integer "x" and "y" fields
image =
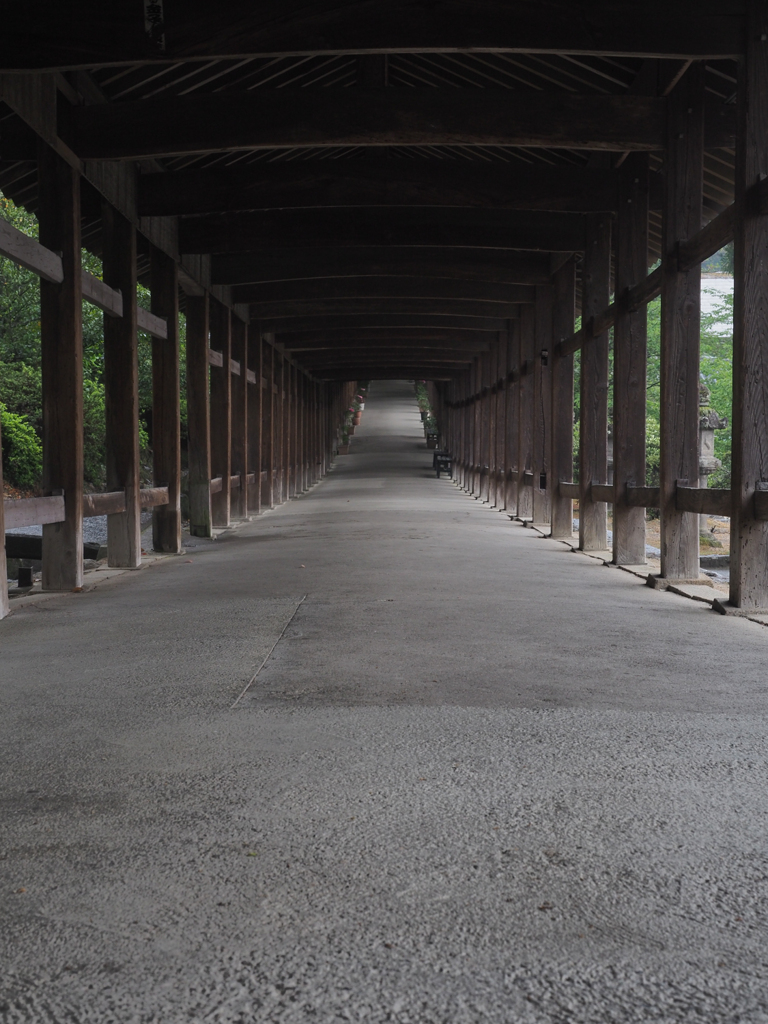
{"x": 512, "y": 445}
{"x": 198, "y": 416}
{"x": 255, "y": 396}
{"x": 593, "y": 401}
{"x": 525, "y": 429}
{"x": 121, "y": 390}
{"x": 221, "y": 412}
{"x": 267, "y": 426}
{"x": 3, "y": 561}
{"x": 498, "y": 421}
{"x": 680, "y": 318}
{"x": 542, "y": 405}
{"x": 485, "y": 425}
{"x": 629, "y": 361}
{"x": 749, "y": 536}
{"x": 561, "y": 458}
{"x": 166, "y": 425}
{"x": 278, "y": 425}
{"x": 62, "y": 371}
{"x": 239, "y": 386}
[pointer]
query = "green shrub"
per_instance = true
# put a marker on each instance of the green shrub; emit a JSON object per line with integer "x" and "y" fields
{"x": 22, "y": 451}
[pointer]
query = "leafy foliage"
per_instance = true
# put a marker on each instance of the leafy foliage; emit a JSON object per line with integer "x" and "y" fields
{"x": 20, "y": 371}
{"x": 22, "y": 450}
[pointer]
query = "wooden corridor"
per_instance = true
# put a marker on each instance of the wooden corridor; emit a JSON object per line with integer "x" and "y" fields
{"x": 378, "y": 191}
{"x": 477, "y": 778}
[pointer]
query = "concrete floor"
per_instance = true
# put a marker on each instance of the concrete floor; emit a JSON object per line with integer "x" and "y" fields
{"x": 479, "y": 778}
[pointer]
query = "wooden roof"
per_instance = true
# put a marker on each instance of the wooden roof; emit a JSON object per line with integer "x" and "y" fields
{"x": 373, "y": 168}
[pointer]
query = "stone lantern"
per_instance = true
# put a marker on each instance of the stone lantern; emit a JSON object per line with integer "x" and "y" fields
{"x": 709, "y": 422}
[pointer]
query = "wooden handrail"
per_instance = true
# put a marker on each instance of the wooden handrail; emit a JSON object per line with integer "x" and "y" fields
{"x": 104, "y": 504}
{"x": 153, "y": 496}
{"x": 711, "y": 501}
{"x": 20, "y": 512}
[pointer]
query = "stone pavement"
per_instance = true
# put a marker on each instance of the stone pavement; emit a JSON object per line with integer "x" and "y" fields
{"x": 479, "y": 778}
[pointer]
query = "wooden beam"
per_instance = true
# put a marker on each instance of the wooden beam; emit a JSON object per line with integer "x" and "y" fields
{"x": 629, "y": 361}
{"x": 322, "y": 118}
{"x": 374, "y": 335}
{"x": 155, "y": 497}
{"x": 417, "y": 226}
{"x": 107, "y": 503}
{"x": 526, "y": 413}
{"x": 52, "y": 36}
{"x": 20, "y": 512}
{"x": 593, "y": 403}
{"x": 267, "y": 425}
{"x": 749, "y": 474}
{"x": 151, "y": 323}
{"x": 680, "y": 321}
{"x": 274, "y": 311}
{"x": 166, "y": 430}
{"x": 642, "y": 497}
{"x": 711, "y": 501}
{"x": 316, "y": 184}
{"x": 97, "y": 292}
{"x": 512, "y": 444}
{"x": 121, "y": 390}
{"x": 30, "y": 254}
{"x": 255, "y": 398}
{"x": 348, "y": 288}
{"x": 221, "y": 411}
{"x": 383, "y": 321}
{"x": 239, "y": 386}
{"x": 542, "y": 405}
{"x": 561, "y": 453}
{"x": 199, "y": 415}
{"x": 283, "y": 264}
{"x": 61, "y": 307}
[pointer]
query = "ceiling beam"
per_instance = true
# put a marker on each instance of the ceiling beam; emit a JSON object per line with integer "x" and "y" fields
{"x": 54, "y": 35}
{"x": 375, "y": 336}
{"x": 345, "y": 288}
{"x": 448, "y": 228}
{"x": 282, "y": 264}
{"x": 291, "y": 119}
{"x": 403, "y": 307}
{"x": 318, "y": 184}
{"x": 385, "y": 355}
{"x": 336, "y": 321}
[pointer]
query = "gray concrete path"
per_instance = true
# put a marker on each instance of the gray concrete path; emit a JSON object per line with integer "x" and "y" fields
{"x": 478, "y": 779}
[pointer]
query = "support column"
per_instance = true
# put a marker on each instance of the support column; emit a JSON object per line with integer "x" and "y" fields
{"x": 542, "y": 404}
{"x": 61, "y": 363}
{"x": 749, "y": 536}
{"x": 561, "y": 458}
{"x": 61, "y": 336}
{"x": 680, "y": 321}
{"x": 198, "y": 416}
{"x": 3, "y": 561}
{"x": 278, "y": 426}
{"x": 267, "y": 426}
{"x": 255, "y": 394}
{"x": 166, "y": 412}
{"x": 512, "y": 446}
{"x": 239, "y": 386}
{"x": 629, "y": 361}
{"x": 121, "y": 390}
{"x": 525, "y": 429}
{"x": 500, "y": 419}
{"x": 221, "y": 413}
{"x": 593, "y": 401}
{"x": 484, "y": 460}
